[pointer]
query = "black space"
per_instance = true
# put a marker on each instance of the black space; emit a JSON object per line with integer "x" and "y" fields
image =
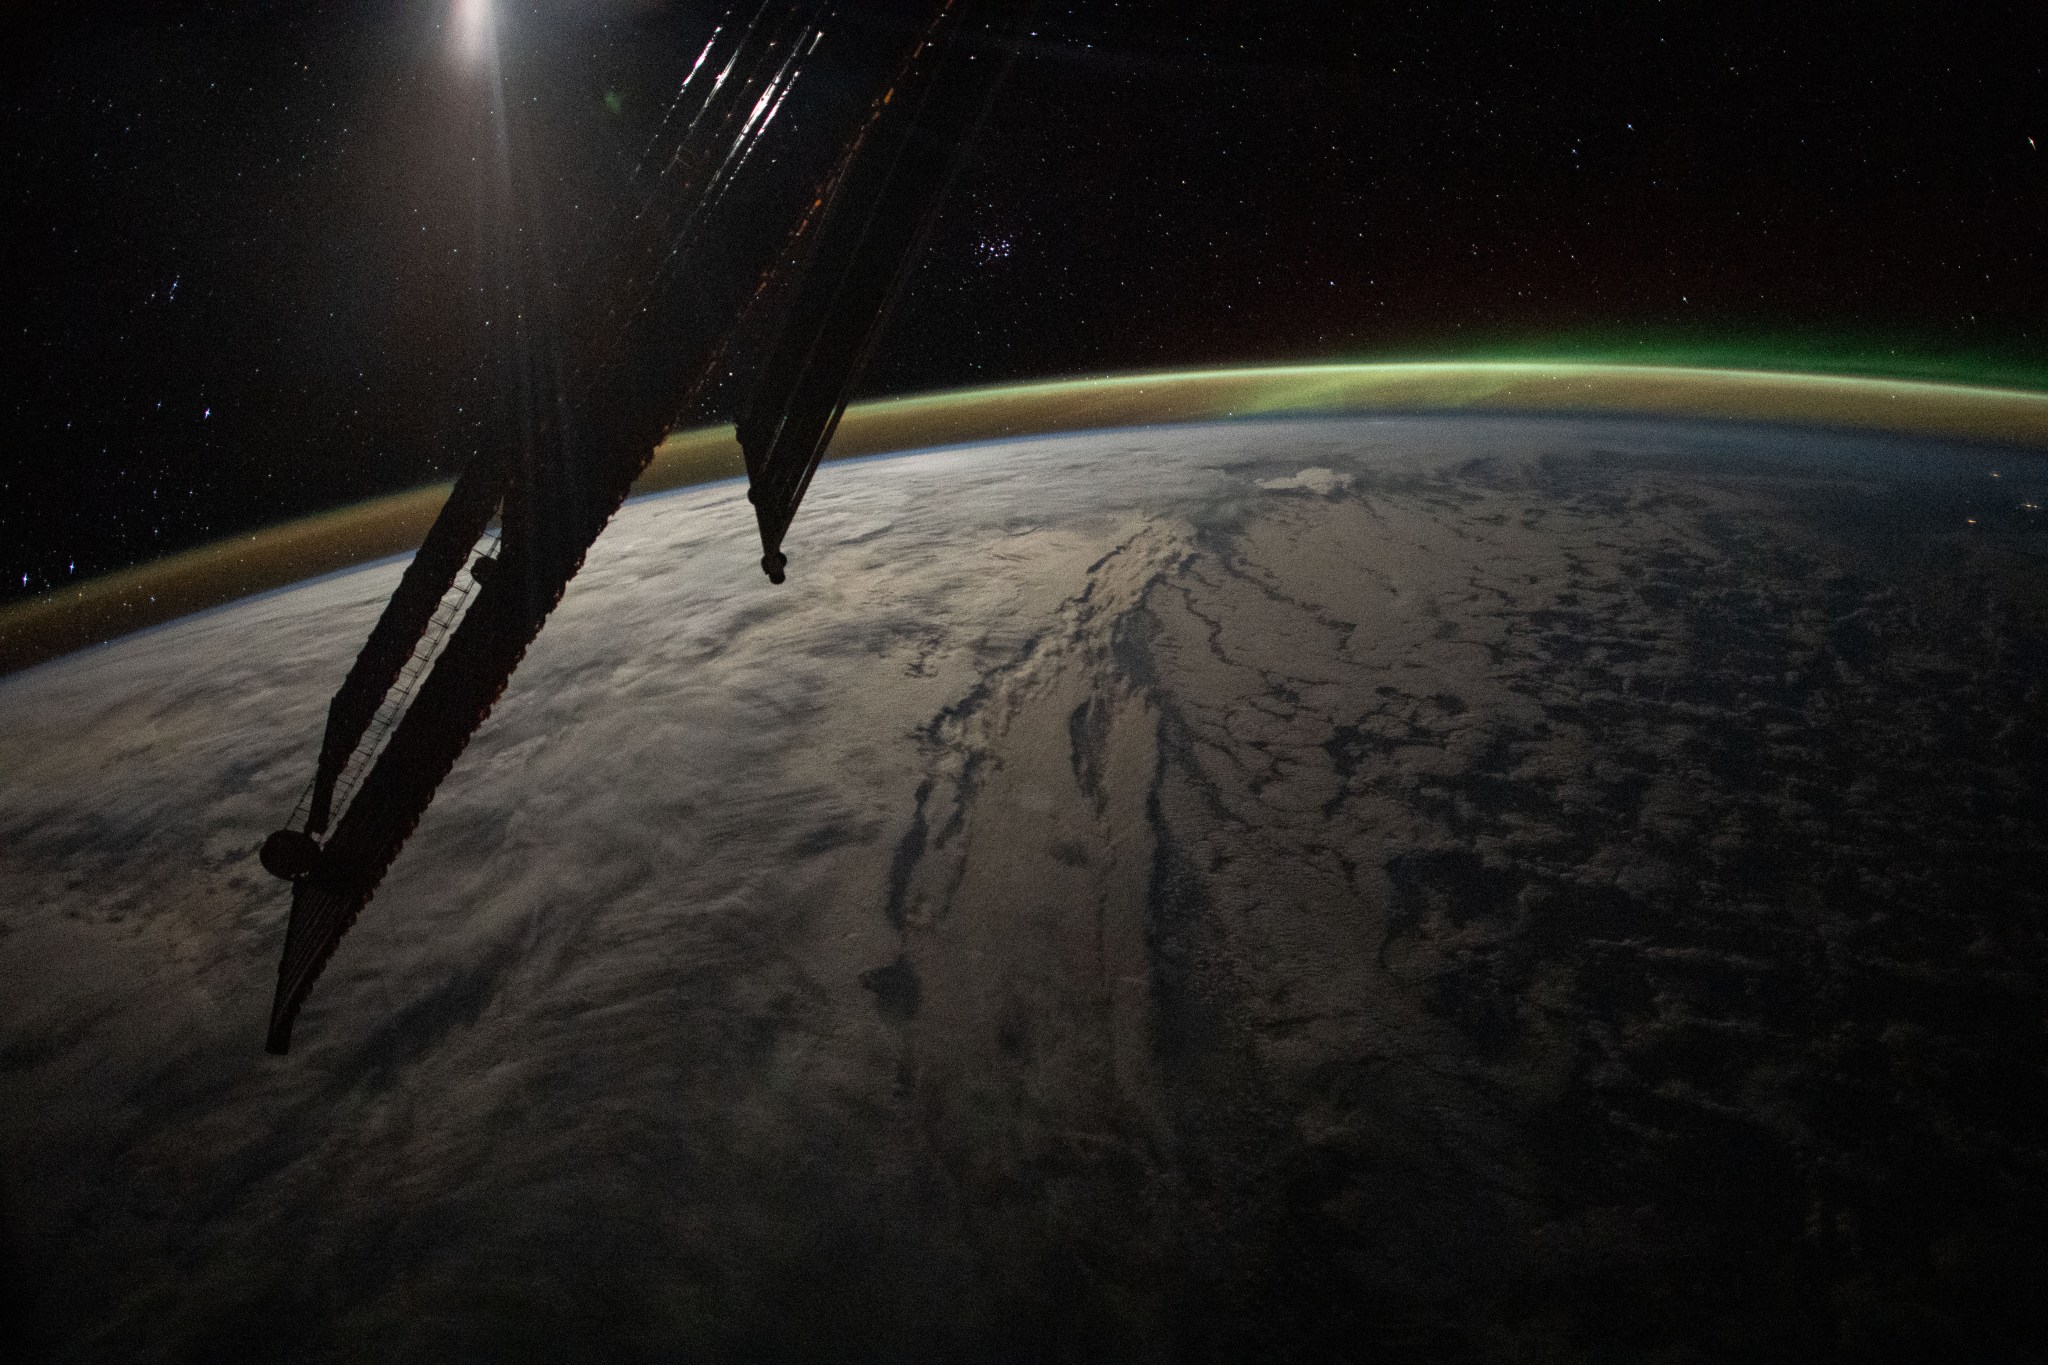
{"x": 235, "y": 241}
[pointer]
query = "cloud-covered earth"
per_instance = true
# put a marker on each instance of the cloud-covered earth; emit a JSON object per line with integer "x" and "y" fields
{"x": 1458, "y": 887}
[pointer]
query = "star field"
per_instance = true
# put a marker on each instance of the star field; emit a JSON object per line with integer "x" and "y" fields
{"x": 250, "y": 280}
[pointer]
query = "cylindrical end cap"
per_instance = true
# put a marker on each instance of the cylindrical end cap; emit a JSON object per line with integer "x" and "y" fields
{"x": 289, "y": 854}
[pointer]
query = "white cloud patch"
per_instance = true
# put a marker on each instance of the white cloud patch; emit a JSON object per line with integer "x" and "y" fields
{"x": 1315, "y": 479}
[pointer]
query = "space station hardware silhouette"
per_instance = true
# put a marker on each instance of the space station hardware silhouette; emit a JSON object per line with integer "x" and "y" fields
{"x": 521, "y": 520}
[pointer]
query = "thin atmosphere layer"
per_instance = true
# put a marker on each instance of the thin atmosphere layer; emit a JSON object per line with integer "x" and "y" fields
{"x": 133, "y": 599}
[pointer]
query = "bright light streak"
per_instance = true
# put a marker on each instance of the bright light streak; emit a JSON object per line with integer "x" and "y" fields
{"x": 696, "y": 65}
{"x": 475, "y": 27}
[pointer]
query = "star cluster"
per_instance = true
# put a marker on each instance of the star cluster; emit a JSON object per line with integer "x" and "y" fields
{"x": 1201, "y": 187}
{"x": 249, "y": 281}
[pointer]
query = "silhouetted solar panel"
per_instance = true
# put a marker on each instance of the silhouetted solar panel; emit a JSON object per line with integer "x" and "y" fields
{"x": 834, "y": 271}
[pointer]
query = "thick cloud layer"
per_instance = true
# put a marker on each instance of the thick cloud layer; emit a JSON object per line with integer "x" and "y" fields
{"x": 1450, "y": 885}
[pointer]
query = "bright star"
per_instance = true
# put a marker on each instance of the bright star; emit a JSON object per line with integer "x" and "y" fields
{"x": 474, "y": 22}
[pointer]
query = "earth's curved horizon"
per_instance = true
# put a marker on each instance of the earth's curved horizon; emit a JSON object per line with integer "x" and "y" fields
{"x": 1465, "y": 887}
{"x": 117, "y": 604}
